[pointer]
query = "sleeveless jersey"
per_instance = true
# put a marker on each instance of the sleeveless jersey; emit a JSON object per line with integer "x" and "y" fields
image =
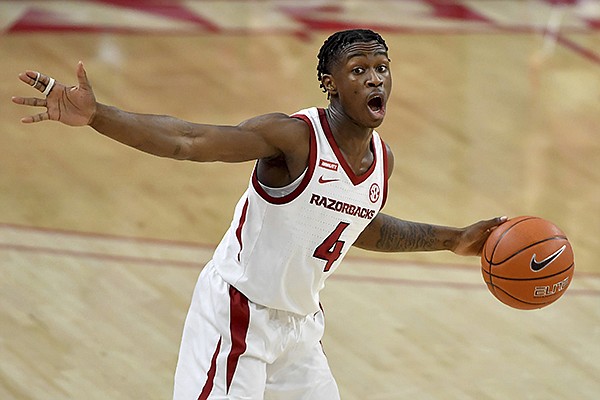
{"x": 278, "y": 251}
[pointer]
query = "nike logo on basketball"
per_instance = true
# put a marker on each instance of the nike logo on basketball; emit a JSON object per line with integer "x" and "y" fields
{"x": 538, "y": 266}
{"x": 325, "y": 180}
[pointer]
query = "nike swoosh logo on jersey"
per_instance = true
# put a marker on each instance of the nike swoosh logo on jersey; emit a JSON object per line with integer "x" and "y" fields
{"x": 537, "y": 266}
{"x": 325, "y": 180}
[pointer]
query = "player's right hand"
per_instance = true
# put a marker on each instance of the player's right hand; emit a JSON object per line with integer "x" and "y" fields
{"x": 71, "y": 105}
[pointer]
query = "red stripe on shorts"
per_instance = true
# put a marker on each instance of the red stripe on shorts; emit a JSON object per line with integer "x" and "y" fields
{"x": 210, "y": 376}
{"x": 239, "y": 321}
{"x": 238, "y": 231}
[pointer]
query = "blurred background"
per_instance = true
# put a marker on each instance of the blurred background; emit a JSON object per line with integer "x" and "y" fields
{"x": 495, "y": 111}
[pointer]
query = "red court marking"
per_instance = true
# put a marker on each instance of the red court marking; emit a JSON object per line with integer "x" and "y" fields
{"x": 199, "y": 264}
{"x": 444, "y": 9}
{"x": 105, "y": 236}
{"x": 311, "y": 19}
{"x": 436, "y": 284}
{"x": 35, "y": 20}
{"x": 579, "y": 49}
{"x": 408, "y": 282}
{"x": 103, "y": 257}
{"x": 171, "y": 10}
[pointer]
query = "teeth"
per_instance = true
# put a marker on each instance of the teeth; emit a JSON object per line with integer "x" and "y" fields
{"x": 375, "y": 103}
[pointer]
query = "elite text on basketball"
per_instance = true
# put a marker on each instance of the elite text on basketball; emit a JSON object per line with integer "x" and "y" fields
{"x": 544, "y": 291}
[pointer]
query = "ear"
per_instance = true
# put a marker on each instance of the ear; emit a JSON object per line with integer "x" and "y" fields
{"x": 329, "y": 84}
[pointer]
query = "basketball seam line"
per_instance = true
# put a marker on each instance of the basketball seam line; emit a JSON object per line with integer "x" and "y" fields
{"x": 522, "y": 250}
{"x": 530, "y": 279}
{"x": 523, "y": 301}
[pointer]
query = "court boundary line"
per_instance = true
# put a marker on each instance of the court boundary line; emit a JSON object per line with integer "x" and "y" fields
{"x": 199, "y": 264}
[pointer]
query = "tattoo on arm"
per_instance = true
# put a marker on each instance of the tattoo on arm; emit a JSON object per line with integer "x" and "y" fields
{"x": 399, "y": 235}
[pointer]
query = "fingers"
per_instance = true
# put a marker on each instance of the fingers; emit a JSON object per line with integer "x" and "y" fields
{"x": 41, "y": 82}
{"x": 29, "y": 77}
{"x": 500, "y": 220}
{"x": 30, "y": 101}
{"x": 44, "y": 84}
{"x": 82, "y": 75}
{"x": 494, "y": 222}
{"x": 35, "y": 118}
{"x": 35, "y": 102}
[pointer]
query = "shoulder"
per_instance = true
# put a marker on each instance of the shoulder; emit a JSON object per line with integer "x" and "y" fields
{"x": 275, "y": 122}
{"x": 291, "y": 137}
{"x": 390, "y": 159}
{"x": 283, "y": 131}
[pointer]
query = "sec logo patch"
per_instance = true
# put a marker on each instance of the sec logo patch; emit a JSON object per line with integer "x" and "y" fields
{"x": 374, "y": 193}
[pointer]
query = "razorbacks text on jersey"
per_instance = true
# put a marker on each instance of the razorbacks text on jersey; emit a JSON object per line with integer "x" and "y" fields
{"x": 284, "y": 242}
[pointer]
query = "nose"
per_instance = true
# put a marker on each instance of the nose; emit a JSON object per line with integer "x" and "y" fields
{"x": 374, "y": 79}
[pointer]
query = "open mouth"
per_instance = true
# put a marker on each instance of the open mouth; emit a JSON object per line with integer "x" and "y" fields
{"x": 376, "y": 104}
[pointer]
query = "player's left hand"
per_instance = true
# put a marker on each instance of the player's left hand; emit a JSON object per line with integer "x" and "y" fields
{"x": 473, "y": 237}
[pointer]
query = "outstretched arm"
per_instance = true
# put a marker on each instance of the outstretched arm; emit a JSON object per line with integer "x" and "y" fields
{"x": 266, "y": 136}
{"x": 389, "y": 234}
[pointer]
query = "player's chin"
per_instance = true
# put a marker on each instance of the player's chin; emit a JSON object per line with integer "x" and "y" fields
{"x": 375, "y": 117}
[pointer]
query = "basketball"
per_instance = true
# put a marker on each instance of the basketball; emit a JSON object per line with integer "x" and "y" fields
{"x": 527, "y": 263}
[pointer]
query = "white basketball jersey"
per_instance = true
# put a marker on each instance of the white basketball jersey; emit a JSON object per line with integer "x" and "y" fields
{"x": 278, "y": 251}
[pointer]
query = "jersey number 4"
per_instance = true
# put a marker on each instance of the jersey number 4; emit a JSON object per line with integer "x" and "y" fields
{"x": 331, "y": 248}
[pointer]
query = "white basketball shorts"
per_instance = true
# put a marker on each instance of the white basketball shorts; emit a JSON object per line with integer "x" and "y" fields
{"x": 234, "y": 349}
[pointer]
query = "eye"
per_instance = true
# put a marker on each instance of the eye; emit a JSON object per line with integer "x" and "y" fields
{"x": 382, "y": 68}
{"x": 358, "y": 70}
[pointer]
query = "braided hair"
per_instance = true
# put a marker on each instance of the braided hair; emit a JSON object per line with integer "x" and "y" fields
{"x": 335, "y": 44}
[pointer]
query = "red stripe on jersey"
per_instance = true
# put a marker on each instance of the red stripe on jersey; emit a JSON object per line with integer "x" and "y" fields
{"x": 238, "y": 231}
{"x": 239, "y": 321}
{"x": 210, "y": 376}
{"x": 385, "y": 173}
{"x": 356, "y": 179}
{"x": 312, "y": 161}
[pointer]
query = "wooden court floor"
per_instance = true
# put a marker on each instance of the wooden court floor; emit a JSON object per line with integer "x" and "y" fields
{"x": 495, "y": 110}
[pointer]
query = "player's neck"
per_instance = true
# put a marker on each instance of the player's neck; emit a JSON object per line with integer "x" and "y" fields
{"x": 347, "y": 131}
{"x": 353, "y": 140}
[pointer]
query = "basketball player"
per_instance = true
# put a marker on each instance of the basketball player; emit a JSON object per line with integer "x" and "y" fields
{"x": 254, "y": 326}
